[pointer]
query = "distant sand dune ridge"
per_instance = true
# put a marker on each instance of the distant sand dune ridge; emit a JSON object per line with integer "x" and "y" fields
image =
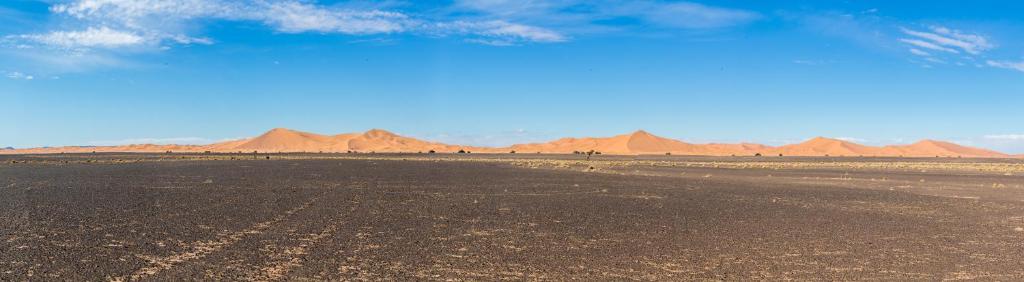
{"x": 636, "y": 143}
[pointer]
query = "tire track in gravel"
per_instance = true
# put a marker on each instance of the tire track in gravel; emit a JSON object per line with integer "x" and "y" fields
{"x": 202, "y": 249}
{"x": 290, "y": 258}
{"x": 274, "y": 253}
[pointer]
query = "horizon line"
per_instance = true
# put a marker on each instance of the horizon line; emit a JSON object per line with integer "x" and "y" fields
{"x": 635, "y": 132}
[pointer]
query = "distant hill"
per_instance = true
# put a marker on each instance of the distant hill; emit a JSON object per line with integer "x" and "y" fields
{"x": 636, "y": 143}
{"x": 376, "y": 140}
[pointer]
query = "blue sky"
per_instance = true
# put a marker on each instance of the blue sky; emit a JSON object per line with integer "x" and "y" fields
{"x": 101, "y": 72}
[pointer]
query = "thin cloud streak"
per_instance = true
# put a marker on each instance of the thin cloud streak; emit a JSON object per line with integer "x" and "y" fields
{"x": 1017, "y": 66}
{"x": 970, "y": 43}
{"x": 122, "y": 23}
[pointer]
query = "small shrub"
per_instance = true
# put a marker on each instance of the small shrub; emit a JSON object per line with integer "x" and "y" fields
{"x": 461, "y": 151}
{"x": 431, "y": 152}
{"x": 757, "y": 154}
{"x": 512, "y": 152}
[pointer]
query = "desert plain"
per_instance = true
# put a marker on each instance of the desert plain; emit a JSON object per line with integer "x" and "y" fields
{"x": 445, "y": 216}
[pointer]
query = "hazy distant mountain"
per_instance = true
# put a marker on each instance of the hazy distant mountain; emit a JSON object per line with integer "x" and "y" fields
{"x": 639, "y": 142}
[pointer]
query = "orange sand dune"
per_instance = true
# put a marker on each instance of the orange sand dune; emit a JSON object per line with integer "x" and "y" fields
{"x": 821, "y": 146}
{"x": 636, "y": 143}
{"x": 376, "y": 140}
{"x": 927, "y": 148}
{"x": 140, "y": 148}
{"x": 639, "y": 142}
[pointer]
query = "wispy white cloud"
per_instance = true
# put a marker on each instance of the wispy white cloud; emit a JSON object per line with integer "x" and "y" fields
{"x": 866, "y": 30}
{"x": 956, "y": 48}
{"x": 20, "y": 75}
{"x": 578, "y": 13}
{"x": 297, "y": 17}
{"x": 158, "y": 24}
{"x": 497, "y": 32}
{"x": 165, "y": 19}
{"x": 102, "y": 28}
{"x": 949, "y": 38}
{"x": 1007, "y": 143}
{"x": 928, "y": 45}
{"x": 103, "y": 37}
{"x": 684, "y": 14}
{"x": 852, "y": 139}
{"x": 952, "y": 46}
{"x": 918, "y": 52}
{"x": 1012, "y": 137}
{"x": 1018, "y": 65}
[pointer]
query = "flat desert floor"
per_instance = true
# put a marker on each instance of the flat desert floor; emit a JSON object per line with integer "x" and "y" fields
{"x": 491, "y": 217}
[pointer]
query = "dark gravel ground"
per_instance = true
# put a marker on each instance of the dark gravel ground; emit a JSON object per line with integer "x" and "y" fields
{"x": 343, "y": 219}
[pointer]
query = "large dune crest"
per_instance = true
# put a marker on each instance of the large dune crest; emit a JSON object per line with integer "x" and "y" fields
{"x": 636, "y": 143}
{"x": 375, "y": 140}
